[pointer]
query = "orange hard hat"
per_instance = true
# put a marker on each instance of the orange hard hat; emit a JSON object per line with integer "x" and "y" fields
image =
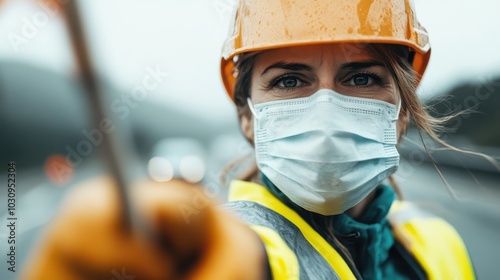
{"x": 263, "y": 25}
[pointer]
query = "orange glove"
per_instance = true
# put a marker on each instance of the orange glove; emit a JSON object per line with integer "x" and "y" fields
{"x": 87, "y": 241}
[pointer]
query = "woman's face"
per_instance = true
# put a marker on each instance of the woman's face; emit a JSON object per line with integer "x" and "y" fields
{"x": 301, "y": 71}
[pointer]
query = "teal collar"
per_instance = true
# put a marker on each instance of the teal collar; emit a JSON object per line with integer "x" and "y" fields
{"x": 369, "y": 238}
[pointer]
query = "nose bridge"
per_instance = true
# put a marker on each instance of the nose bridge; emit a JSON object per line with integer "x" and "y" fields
{"x": 326, "y": 74}
{"x": 327, "y": 69}
{"x": 327, "y": 84}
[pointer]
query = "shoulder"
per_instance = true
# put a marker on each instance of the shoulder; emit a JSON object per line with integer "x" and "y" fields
{"x": 411, "y": 220}
{"x": 271, "y": 228}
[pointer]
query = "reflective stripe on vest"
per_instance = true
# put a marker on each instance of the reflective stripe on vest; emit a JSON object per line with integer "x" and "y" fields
{"x": 312, "y": 265}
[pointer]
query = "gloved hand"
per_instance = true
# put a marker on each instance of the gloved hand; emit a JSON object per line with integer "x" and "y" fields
{"x": 187, "y": 238}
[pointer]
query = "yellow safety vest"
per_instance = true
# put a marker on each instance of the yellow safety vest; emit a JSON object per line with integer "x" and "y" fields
{"x": 296, "y": 251}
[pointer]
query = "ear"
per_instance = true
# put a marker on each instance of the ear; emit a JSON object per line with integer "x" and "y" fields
{"x": 246, "y": 124}
{"x": 402, "y": 124}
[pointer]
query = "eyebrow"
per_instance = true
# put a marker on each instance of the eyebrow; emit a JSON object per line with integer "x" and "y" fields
{"x": 288, "y": 66}
{"x": 304, "y": 67}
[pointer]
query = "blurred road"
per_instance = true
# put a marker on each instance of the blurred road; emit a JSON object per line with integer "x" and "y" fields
{"x": 476, "y": 214}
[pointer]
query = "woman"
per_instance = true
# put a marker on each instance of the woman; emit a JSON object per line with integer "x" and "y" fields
{"x": 324, "y": 98}
{"x": 324, "y": 90}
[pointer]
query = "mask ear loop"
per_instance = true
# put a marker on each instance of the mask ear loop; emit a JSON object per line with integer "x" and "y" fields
{"x": 398, "y": 110}
{"x": 250, "y": 105}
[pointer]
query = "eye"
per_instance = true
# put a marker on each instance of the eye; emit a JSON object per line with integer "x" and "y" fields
{"x": 288, "y": 82}
{"x": 363, "y": 80}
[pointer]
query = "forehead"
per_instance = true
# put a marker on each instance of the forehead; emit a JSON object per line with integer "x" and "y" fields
{"x": 315, "y": 55}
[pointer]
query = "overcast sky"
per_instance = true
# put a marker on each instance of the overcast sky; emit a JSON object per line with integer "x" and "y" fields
{"x": 184, "y": 39}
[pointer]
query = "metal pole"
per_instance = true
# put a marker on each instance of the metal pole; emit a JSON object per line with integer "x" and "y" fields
{"x": 90, "y": 83}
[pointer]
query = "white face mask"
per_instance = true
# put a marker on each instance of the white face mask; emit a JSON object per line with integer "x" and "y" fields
{"x": 328, "y": 151}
